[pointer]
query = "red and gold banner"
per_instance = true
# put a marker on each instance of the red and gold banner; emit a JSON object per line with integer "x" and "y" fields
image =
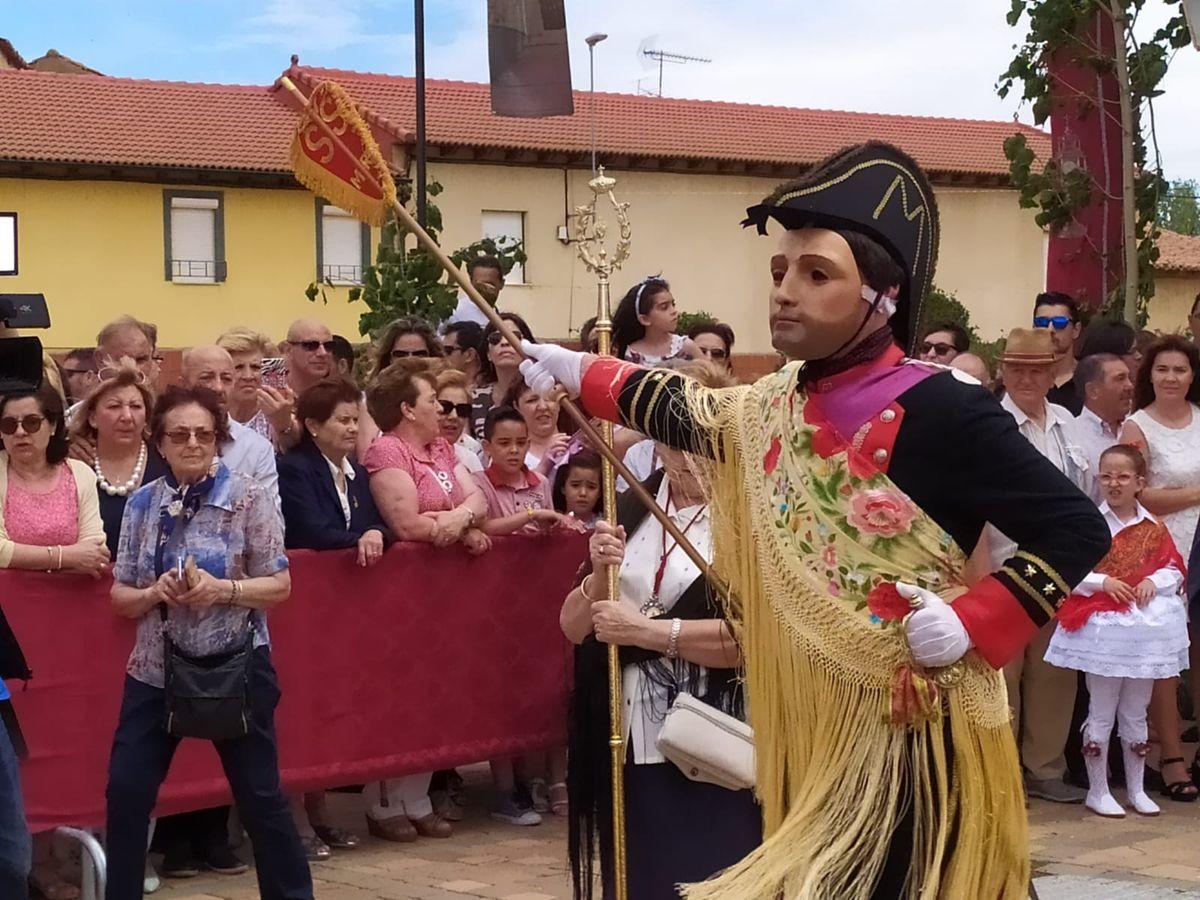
{"x": 329, "y": 170}
{"x": 427, "y": 660}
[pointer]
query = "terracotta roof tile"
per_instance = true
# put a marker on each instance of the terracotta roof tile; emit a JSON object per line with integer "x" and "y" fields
{"x": 89, "y": 119}
{"x": 1178, "y": 253}
{"x": 56, "y": 117}
{"x": 459, "y": 113}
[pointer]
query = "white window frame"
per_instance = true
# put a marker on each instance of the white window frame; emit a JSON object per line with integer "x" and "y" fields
{"x": 517, "y": 275}
{"x": 8, "y": 243}
{"x": 328, "y": 210}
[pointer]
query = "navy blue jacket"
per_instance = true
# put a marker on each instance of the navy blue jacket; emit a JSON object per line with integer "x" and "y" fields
{"x": 312, "y": 513}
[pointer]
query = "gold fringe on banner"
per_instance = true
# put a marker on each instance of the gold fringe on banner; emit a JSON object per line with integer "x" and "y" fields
{"x": 835, "y": 777}
{"x": 327, "y": 171}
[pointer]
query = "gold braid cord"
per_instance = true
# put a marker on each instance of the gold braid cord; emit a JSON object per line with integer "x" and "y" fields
{"x": 835, "y": 777}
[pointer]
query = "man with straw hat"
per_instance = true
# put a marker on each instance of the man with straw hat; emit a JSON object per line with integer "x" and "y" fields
{"x": 843, "y": 491}
{"x": 1042, "y": 696}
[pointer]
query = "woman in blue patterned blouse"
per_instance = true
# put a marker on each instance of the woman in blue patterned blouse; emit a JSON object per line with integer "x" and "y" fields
{"x": 227, "y": 525}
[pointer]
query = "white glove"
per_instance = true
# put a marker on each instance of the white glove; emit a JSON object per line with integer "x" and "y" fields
{"x": 550, "y": 364}
{"x": 935, "y": 633}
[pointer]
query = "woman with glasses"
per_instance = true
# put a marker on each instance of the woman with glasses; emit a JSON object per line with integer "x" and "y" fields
{"x": 113, "y": 420}
{"x": 714, "y": 341}
{"x": 500, "y": 370}
{"x": 454, "y": 398}
{"x": 49, "y": 520}
{"x": 1166, "y": 428}
{"x": 201, "y": 561}
{"x": 407, "y": 338}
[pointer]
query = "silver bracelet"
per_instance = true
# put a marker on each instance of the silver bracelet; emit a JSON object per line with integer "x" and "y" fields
{"x": 673, "y": 640}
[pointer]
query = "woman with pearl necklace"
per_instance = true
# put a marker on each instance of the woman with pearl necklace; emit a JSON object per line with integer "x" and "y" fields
{"x": 113, "y": 419}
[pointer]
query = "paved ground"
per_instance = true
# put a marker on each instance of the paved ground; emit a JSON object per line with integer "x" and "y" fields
{"x": 1076, "y": 855}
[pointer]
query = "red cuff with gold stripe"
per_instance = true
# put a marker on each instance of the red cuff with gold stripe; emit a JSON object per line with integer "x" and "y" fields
{"x": 601, "y": 388}
{"x": 995, "y": 619}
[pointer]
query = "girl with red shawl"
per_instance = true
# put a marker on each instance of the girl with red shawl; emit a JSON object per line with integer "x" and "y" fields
{"x": 1124, "y": 626}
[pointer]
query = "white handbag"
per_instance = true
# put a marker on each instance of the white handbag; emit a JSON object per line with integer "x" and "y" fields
{"x": 708, "y": 745}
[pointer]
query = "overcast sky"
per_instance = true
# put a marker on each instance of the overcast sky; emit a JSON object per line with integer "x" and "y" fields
{"x": 928, "y": 57}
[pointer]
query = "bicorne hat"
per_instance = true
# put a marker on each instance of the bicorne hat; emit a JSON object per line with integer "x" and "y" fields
{"x": 877, "y": 190}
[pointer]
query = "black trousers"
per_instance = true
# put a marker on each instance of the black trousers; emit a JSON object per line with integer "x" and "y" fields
{"x": 141, "y": 755}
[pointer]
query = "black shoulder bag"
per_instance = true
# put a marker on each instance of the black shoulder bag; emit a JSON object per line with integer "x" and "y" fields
{"x": 208, "y": 697}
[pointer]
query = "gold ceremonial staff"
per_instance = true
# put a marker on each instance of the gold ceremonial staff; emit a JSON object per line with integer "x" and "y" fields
{"x": 598, "y": 261}
{"x": 593, "y": 252}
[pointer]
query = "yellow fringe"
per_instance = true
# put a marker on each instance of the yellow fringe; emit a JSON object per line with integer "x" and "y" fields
{"x": 835, "y": 778}
{"x": 323, "y": 182}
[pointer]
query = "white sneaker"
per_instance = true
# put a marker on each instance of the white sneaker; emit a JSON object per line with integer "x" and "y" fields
{"x": 150, "y": 881}
{"x": 512, "y": 811}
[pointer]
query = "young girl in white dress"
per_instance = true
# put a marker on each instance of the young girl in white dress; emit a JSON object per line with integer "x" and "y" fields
{"x": 1124, "y": 626}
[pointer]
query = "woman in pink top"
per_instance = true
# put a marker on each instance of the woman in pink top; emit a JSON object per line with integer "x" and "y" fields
{"x": 424, "y": 494}
{"x": 49, "y": 519}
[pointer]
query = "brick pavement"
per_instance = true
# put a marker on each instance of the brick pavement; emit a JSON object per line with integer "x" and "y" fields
{"x": 1076, "y": 855}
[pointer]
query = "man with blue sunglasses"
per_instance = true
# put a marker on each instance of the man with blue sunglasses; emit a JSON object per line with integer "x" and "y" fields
{"x": 1059, "y": 314}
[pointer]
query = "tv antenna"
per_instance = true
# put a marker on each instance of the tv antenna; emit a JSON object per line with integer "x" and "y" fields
{"x": 648, "y": 52}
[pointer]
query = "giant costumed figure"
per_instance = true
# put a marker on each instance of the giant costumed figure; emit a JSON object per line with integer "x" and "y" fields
{"x": 845, "y": 489}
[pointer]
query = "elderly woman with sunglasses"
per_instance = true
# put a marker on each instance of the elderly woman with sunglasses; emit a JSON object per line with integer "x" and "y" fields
{"x": 201, "y": 561}
{"x": 454, "y": 398}
{"x": 50, "y": 520}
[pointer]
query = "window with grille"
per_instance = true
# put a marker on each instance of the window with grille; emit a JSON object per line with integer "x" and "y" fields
{"x": 343, "y": 246}
{"x": 194, "y": 225}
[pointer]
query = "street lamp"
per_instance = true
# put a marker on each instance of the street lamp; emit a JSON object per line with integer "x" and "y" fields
{"x": 592, "y": 41}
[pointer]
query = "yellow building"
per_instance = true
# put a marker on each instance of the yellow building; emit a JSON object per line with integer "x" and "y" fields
{"x": 1176, "y": 282}
{"x": 174, "y": 202}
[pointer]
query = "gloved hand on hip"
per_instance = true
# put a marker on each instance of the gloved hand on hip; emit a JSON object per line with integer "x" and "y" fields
{"x": 550, "y": 364}
{"x": 935, "y": 633}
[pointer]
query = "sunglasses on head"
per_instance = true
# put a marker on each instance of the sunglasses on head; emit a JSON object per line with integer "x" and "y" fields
{"x": 32, "y": 424}
{"x": 406, "y": 354}
{"x": 1058, "y": 323}
{"x": 205, "y": 437}
{"x": 939, "y": 347}
{"x": 462, "y": 410}
{"x": 314, "y": 346}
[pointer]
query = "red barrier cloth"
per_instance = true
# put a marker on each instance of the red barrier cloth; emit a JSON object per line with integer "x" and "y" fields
{"x": 428, "y": 660}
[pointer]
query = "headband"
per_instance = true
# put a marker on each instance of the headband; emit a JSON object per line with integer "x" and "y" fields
{"x": 642, "y": 285}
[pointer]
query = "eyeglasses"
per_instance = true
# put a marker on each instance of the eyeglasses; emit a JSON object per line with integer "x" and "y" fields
{"x": 450, "y": 348}
{"x": 939, "y": 347}
{"x": 405, "y": 354}
{"x": 1110, "y": 478}
{"x": 1058, "y": 323}
{"x": 714, "y": 353}
{"x": 205, "y": 437}
{"x": 313, "y": 346}
{"x": 462, "y": 410}
{"x": 67, "y": 371}
{"x": 32, "y": 424}
{"x": 495, "y": 338}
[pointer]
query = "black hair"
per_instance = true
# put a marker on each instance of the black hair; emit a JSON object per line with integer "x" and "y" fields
{"x": 587, "y": 334}
{"x": 637, "y": 300}
{"x": 486, "y": 369}
{"x": 470, "y": 336}
{"x": 961, "y": 339}
{"x": 50, "y": 402}
{"x": 580, "y": 459}
{"x": 498, "y": 414}
{"x": 1108, "y": 336}
{"x": 343, "y": 350}
{"x": 1058, "y": 298}
{"x": 320, "y": 401}
{"x": 405, "y": 325}
{"x": 1143, "y": 385}
{"x": 720, "y": 329}
{"x": 484, "y": 262}
{"x": 176, "y": 396}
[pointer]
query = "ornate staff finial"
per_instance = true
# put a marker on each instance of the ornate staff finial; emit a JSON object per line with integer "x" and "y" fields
{"x": 591, "y": 244}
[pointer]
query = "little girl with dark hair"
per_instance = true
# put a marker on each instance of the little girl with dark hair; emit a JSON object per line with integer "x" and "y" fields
{"x": 644, "y": 325}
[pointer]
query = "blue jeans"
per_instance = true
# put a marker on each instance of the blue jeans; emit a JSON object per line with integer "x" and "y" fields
{"x": 15, "y": 846}
{"x": 141, "y": 754}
